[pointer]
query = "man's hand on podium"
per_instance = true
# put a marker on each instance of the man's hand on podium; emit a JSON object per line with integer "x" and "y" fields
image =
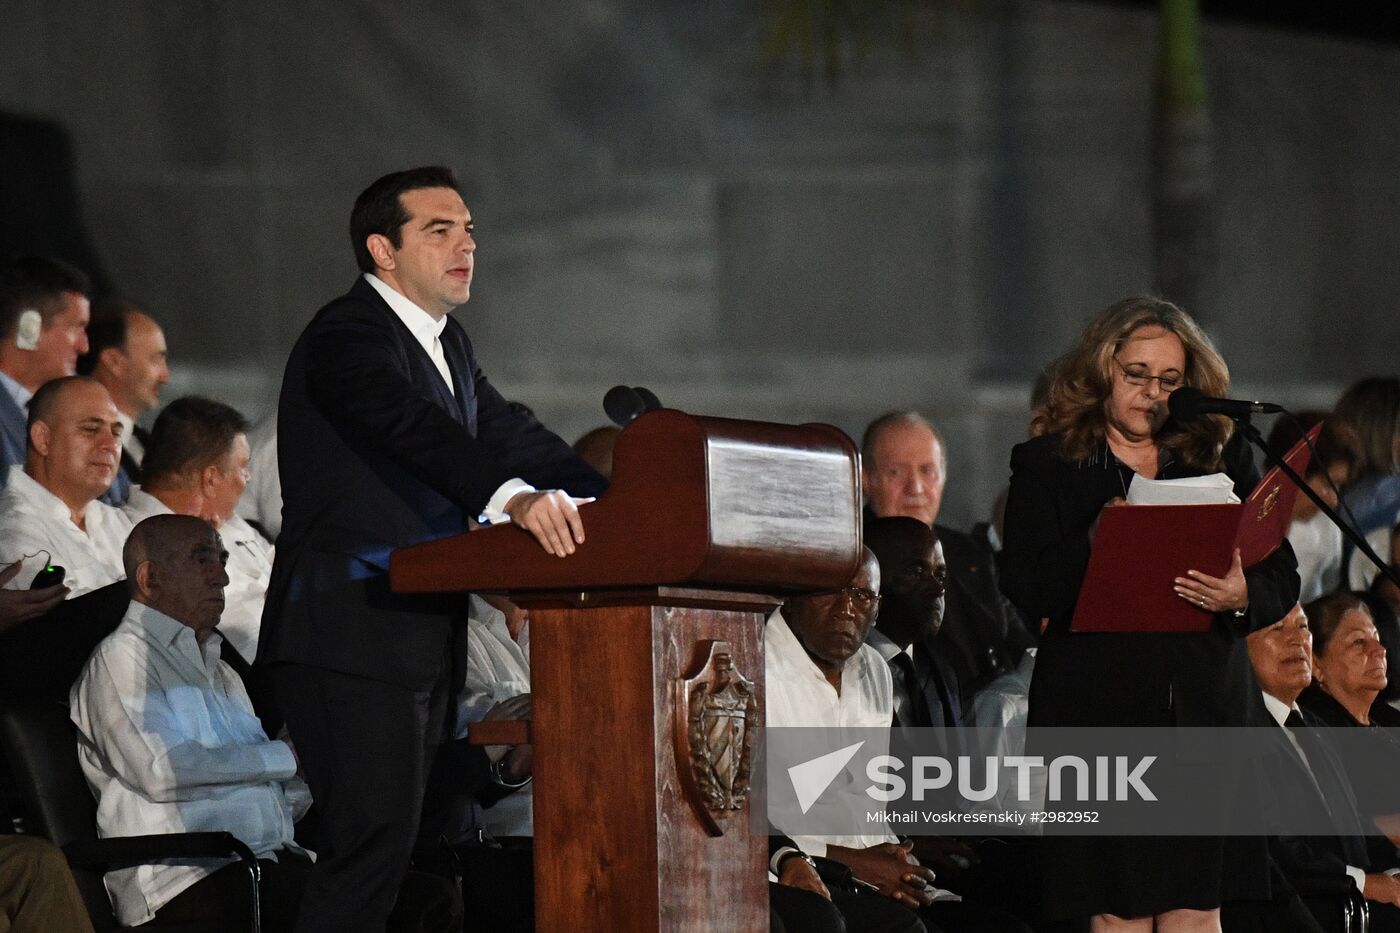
{"x": 551, "y": 515}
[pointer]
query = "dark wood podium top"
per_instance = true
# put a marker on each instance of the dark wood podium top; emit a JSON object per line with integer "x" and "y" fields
{"x": 711, "y": 502}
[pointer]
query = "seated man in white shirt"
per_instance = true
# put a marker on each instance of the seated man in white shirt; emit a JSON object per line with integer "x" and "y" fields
{"x": 820, "y": 672}
{"x": 169, "y": 742}
{"x": 498, "y": 669}
{"x": 196, "y": 463}
{"x": 1282, "y": 658}
{"x": 49, "y": 508}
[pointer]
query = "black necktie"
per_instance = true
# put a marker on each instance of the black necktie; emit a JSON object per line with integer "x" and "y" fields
{"x": 1314, "y": 759}
{"x": 909, "y": 706}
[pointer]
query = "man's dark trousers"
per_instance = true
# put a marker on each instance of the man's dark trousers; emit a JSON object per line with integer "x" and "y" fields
{"x": 350, "y": 752}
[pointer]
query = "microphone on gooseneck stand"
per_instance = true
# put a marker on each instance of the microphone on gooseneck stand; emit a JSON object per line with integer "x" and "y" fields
{"x": 1189, "y": 402}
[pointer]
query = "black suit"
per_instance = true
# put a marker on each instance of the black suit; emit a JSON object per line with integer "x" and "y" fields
{"x": 983, "y": 635}
{"x": 1315, "y": 865}
{"x": 926, "y": 686}
{"x": 376, "y": 453}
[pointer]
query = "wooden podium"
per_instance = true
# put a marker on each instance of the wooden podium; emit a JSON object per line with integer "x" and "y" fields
{"x": 647, "y": 661}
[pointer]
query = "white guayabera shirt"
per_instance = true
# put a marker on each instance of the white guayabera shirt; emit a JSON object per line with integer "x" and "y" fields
{"x": 169, "y": 743}
{"x": 34, "y": 520}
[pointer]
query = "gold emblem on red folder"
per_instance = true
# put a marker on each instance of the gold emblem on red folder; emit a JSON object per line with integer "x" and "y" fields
{"x": 1267, "y": 506}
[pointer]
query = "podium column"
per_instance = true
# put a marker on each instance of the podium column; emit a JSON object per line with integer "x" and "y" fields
{"x": 647, "y": 715}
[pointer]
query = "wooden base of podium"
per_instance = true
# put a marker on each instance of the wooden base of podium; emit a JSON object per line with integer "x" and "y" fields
{"x": 647, "y": 709}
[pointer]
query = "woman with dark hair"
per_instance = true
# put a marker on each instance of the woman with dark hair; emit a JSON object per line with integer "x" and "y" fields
{"x": 1349, "y": 663}
{"x": 1349, "y": 676}
{"x": 1104, "y": 421}
{"x": 1371, "y": 408}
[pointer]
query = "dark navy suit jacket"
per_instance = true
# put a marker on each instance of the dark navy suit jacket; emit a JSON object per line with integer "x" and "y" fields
{"x": 12, "y": 435}
{"x": 375, "y": 453}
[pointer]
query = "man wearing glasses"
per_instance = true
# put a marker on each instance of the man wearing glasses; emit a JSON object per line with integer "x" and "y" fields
{"x": 821, "y": 673}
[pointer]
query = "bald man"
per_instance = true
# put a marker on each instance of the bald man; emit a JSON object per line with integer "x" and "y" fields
{"x": 169, "y": 742}
{"x": 49, "y": 508}
{"x": 168, "y": 739}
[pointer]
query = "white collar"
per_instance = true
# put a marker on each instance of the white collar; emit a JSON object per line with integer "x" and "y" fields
{"x": 141, "y": 505}
{"x": 128, "y": 426}
{"x": 424, "y": 327}
{"x": 170, "y": 631}
{"x": 1277, "y": 708}
{"x": 19, "y": 393}
{"x": 28, "y": 489}
{"x": 791, "y": 655}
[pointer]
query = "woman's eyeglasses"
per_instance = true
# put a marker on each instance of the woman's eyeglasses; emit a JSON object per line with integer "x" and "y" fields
{"x": 1139, "y": 376}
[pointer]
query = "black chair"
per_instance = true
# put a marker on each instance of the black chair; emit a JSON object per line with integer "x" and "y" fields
{"x": 40, "y": 743}
{"x": 1330, "y": 895}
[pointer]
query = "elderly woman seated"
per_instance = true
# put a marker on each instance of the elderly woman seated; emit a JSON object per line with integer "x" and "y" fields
{"x": 1349, "y": 673}
{"x": 1350, "y": 664}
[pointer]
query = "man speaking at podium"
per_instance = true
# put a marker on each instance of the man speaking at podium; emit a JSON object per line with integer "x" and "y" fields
{"x": 389, "y": 435}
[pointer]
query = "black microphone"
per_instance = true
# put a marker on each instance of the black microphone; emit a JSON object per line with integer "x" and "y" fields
{"x": 622, "y": 405}
{"x": 1189, "y": 402}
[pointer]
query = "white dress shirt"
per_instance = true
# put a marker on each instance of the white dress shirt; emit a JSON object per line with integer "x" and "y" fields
{"x": 249, "y": 570}
{"x": 497, "y": 669}
{"x": 261, "y": 501}
{"x": 427, "y": 330}
{"x": 800, "y": 695}
{"x": 34, "y": 520}
{"x": 169, "y": 743}
{"x": 1279, "y": 710}
{"x": 130, "y": 442}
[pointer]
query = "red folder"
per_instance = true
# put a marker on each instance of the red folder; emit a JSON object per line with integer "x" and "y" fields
{"x": 1140, "y": 550}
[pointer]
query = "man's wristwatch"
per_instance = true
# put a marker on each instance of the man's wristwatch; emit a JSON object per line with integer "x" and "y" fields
{"x": 499, "y": 777}
{"x": 783, "y": 855}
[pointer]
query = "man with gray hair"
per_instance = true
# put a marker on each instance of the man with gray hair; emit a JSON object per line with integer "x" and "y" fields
{"x": 904, "y": 469}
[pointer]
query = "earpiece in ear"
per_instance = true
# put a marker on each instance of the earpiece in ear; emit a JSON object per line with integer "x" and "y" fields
{"x": 27, "y": 333}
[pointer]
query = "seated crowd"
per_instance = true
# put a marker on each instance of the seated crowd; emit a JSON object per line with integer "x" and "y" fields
{"x": 175, "y": 733}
